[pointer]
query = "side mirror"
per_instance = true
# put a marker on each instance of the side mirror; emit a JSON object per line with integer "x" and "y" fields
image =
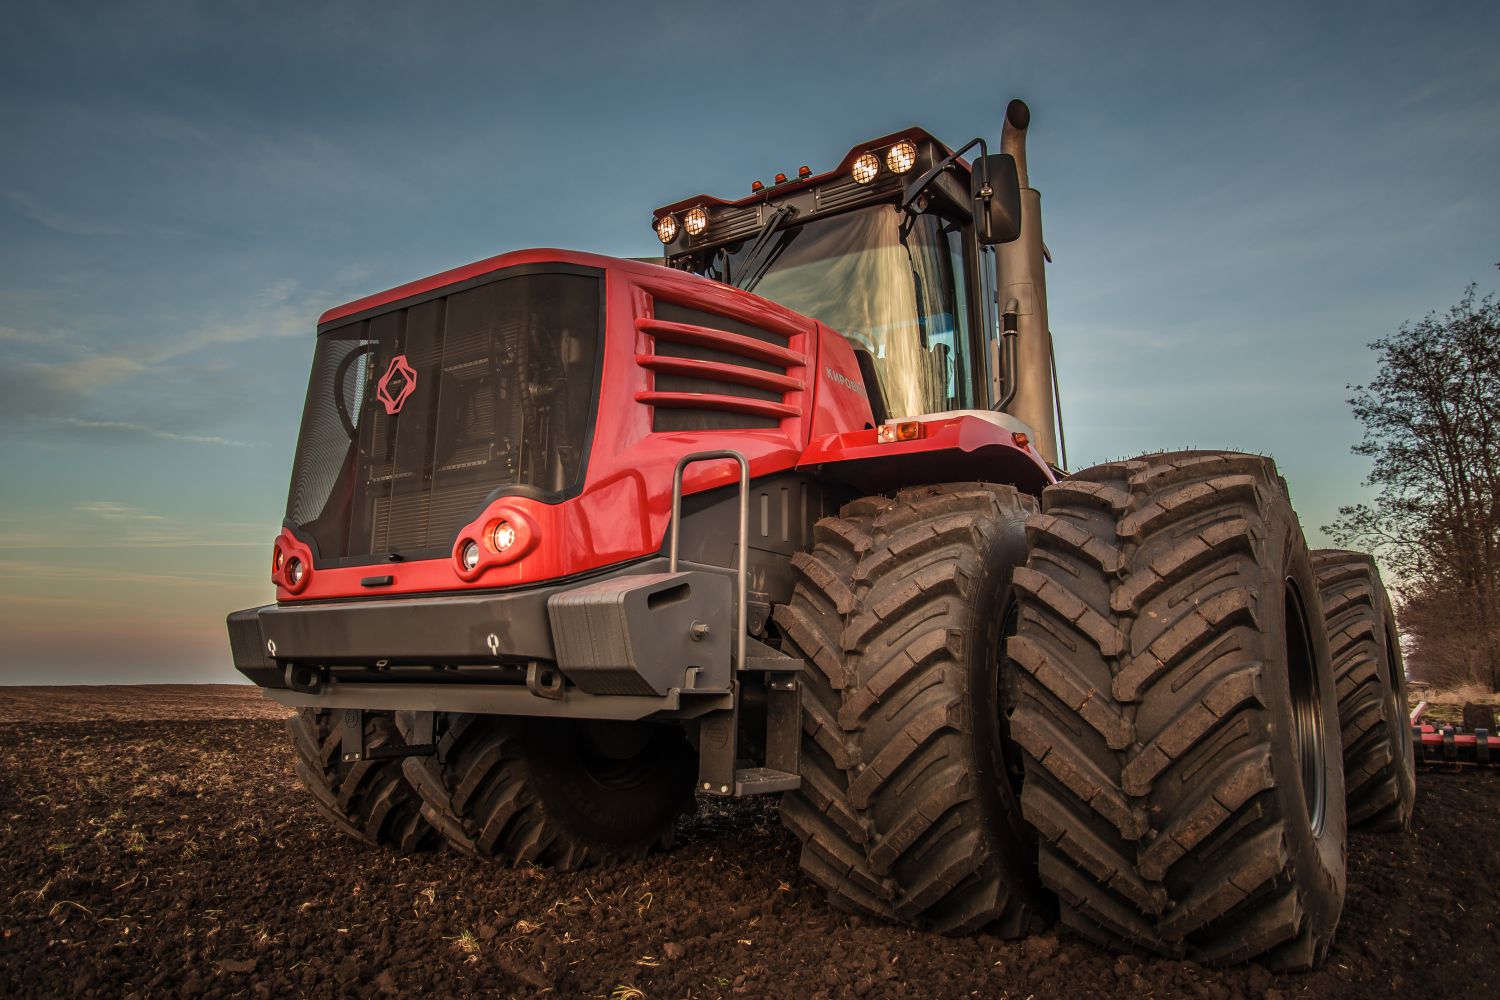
{"x": 997, "y": 199}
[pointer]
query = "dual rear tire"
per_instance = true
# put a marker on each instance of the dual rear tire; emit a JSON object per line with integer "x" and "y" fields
{"x": 1379, "y": 760}
{"x": 1177, "y": 713}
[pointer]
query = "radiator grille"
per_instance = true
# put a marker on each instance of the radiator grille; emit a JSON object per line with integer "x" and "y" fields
{"x": 504, "y": 379}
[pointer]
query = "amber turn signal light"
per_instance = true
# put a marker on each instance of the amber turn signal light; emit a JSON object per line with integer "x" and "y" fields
{"x": 1020, "y": 438}
{"x": 907, "y": 430}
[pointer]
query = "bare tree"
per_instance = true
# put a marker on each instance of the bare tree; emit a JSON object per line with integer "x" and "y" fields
{"x": 1431, "y": 423}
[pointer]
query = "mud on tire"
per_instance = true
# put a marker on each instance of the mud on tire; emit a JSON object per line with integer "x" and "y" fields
{"x": 554, "y": 792}
{"x": 907, "y": 810}
{"x": 1379, "y": 762}
{"x": 1177, "y": 712}
{"x": 369, "y": 800}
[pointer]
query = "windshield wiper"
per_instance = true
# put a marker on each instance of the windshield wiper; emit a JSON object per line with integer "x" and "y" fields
{"x": 764, "y": 250}
{"x": 904, "y": 231}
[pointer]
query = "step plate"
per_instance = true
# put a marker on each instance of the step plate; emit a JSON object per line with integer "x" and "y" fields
{"x": 763, "y": 781}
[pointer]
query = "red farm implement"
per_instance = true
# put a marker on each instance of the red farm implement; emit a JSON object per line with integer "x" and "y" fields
{"x": 1445, "y": 745}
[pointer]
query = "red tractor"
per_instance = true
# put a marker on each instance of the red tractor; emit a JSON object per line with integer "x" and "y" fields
{"x": 571, "y": 539}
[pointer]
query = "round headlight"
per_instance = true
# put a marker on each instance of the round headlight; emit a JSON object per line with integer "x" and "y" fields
{"x": 470, "y": 555}
{"x": 294, "y": 571}
{"x": 695, "y": 221}
{"x": 277, "y": 560}
{"x": 666, "y": 229}
{"x": 902, "y": 156}
{"x": 866, "y": 166}
{"x": 504, "y": 536}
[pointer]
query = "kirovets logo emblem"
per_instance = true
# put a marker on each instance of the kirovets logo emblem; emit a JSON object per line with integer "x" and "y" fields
{"x": 396, "y": 385}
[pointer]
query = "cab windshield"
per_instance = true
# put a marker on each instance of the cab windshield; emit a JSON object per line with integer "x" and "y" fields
{"x": 892, "y": 283}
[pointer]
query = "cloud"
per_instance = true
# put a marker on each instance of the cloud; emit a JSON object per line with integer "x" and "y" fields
{"x": 106, "y": 524}
{"x": 35, "y": 572}
{"x": 111, "y": 511}
{"x": 33, "y": 388}
{"x": 122, "y": 426}
{"x": 148, "y": 382}
{"x": 11, "y": 334}
{"x": 88, "y": 374}
{"x": 58, "y": 222}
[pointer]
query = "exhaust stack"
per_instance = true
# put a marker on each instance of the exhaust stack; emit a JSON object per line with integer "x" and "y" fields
{"x": 1021, "y": 278}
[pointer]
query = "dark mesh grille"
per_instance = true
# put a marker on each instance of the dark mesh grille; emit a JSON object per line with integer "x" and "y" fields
{"x": 503, "y": 389}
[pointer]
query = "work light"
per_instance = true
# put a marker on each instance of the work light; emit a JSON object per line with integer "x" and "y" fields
{"x": 666, "y": 229}
{"x": 470, "y": 555}
{"x": 294, "y": 571}
{"x": 902, "y": 156}
{"x": 695, "y": 221}
{"x": 865, "y": 168}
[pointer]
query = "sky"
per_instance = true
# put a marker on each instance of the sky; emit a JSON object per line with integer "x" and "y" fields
{"x": 1238, "y": 198}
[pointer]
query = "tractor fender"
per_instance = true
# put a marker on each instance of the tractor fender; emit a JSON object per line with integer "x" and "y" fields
{"x": 959, "y": 445}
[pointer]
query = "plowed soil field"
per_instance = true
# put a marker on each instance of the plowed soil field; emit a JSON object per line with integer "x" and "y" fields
{"x": 161, "y": 846}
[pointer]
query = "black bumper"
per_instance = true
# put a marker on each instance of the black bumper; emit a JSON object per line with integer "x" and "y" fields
{"x": 427, "y": 631}
{"x": 468, "y": 652}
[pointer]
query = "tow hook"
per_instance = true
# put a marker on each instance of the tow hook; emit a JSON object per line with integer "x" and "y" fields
{"x": 544, "y": 681}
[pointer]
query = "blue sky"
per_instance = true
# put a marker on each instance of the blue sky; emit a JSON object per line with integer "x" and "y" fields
{"x": 1238, "y": 199}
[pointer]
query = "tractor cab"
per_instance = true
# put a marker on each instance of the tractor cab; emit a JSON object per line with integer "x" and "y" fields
{"x": 893, "y": 249}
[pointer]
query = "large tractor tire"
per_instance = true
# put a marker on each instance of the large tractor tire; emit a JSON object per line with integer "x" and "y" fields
{"x": 1380, "y": 768}
{"x": 557, "y": 792}
{"x": 908, "y": 810}
{"x": 1177, "y": 712}
{"x": 369, "y": 800}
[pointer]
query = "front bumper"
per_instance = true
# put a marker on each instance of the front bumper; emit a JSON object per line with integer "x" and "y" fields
{"x": 629, "y": 645}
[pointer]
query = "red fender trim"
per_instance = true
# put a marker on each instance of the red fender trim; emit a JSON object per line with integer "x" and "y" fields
{"x": 950, "y": 449}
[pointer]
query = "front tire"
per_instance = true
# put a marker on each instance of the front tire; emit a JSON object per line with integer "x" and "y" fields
{"x": 557, "y": 792}
{"x": 907, "y": 810}
{"x": 1177, "y": 713}
{"x": 369, "y": 800}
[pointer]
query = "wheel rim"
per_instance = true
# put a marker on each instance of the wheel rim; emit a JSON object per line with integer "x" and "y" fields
{"x": 615, "y": 754}
{"x": 1309, "y": 745}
